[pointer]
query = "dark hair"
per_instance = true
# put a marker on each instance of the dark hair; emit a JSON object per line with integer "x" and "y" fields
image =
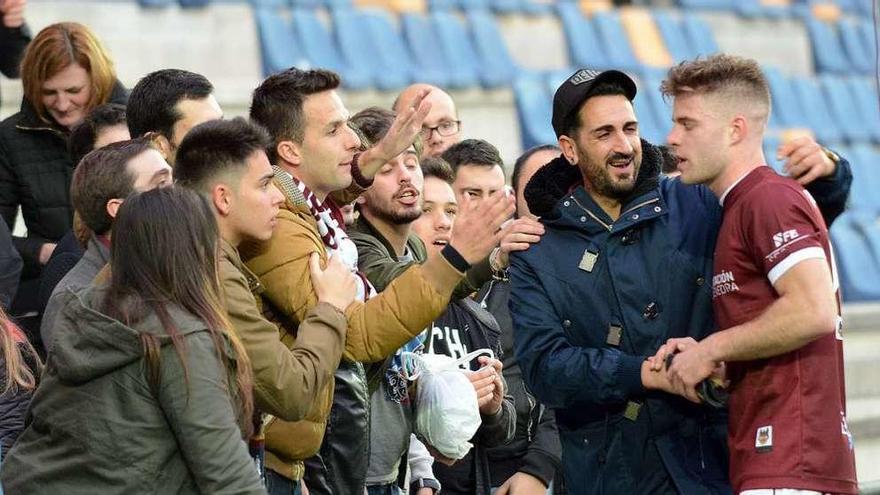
{"x": 215, "y": 148}
{"x": 373, "y": 123}
{"x": 164, "y": 255}
{"x": 433, "y": 166}
{"x": 277, "y": 102}
{"x": 521, "y": 161}
{"x": 473, "y": 152}
{"x": 83, "y": 136}
{"x": 103, "y": 175}
{"x": 152, "y": 105}
{"x": 572, "y": 122}
{"x": 741, "y": 77}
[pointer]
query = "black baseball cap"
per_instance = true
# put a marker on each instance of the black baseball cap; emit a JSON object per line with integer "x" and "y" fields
{"x": 572, "y": 93}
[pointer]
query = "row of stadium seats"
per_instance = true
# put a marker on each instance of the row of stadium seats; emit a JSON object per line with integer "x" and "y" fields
{"x": 780, "y": 8}
{"x": 368, "y": 50}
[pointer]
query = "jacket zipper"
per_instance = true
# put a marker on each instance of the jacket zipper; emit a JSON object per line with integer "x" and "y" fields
{"x": 54, "y": 131}
{"x": 588, "y": 212}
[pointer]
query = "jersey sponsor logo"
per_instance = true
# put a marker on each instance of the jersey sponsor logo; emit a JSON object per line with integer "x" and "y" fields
{"x": 723, "y": 283}
{"x": 764, "y": 439}
{"x": 781, "y": 238}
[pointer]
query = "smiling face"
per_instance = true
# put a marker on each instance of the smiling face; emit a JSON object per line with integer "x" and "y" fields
{"x": 607, "y": 147}
{"x": 434, "y": 226}
{"x": 66, "y": 95}
{"x": 328, "y": 145}
{"x": 395, "y": 194}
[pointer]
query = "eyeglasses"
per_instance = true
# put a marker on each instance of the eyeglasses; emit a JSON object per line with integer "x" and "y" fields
{"x": 446, "y": 128}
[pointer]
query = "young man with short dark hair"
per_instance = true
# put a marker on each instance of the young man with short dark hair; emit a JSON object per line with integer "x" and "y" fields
{"x": 226, "y": 162}
{"x": 170, "y": 102}
{"x": 101, "y": 182}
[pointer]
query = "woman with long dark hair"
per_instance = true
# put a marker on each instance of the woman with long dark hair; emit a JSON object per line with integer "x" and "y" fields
{"x": 145, "y": 391}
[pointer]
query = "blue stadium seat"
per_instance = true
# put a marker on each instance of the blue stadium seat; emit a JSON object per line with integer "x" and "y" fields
{"x": 787, "y": 109}
{"x": 844, "y": 109}
{"x": 154, "y": 3}
{"x": 857, "y": 267}
{"x": 319, "y": 47}
{"x": 278, "y": 46}
{"x": 828, "y": 54}
{"x": 457, "y": 46}
{"x": 708, "y": 4}
{"x": 771, "y": 144}
{"x": 864, "y": 92}
{"x": 700, "y": 35}
{"x": 534, "y": 110}
{"x": 816, "y": 112}
{"x": 615, "y": 42}
{"x": 755, "y": 8}
{"x": 865, "y": 7}
{"x": 429, "y": 60}
{"x": 496, "y": 63}
{"x": 474, "y": 4}
{"x": 271, "y": 3}
{"x": 866, "y": 28}
{"x": 674, "y": 36}
{"x": 865, "y": 163}
{"x": 392, "y": 59}
{"x": 650, "y": 89}
{"x": 858, "y": 54}
{"x": 648, "y": 127}
{"x": 442, "y": 5}
{"x": 506, "y": 6}
{"x": 357, "y": 49}
{"x": 584, "y": 47}
{"x": 555, "y": 78}
{"x": 193, "y": 4}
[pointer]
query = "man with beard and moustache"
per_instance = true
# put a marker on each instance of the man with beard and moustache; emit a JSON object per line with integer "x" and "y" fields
{"x": 624, "y": 265}
{"x": 387, "y": 246}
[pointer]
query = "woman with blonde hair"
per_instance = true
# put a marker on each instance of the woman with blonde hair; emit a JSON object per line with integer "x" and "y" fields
{"x": 65, "y": 72}
{"x": 145, "y": 389}
{"x": 20, "y": 369}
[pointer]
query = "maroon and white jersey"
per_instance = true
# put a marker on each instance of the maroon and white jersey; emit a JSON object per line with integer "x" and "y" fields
{"x": 787, "y": 413}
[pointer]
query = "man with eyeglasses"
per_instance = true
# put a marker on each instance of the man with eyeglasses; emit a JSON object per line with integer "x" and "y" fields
{"x": 441, "y": 128}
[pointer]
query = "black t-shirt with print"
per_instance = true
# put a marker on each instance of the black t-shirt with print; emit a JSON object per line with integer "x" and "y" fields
{"x": 456, "y": 333}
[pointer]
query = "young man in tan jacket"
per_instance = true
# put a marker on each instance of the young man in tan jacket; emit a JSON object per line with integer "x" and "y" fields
{"x": 317, "y": 169}
{"x": 225, "y": 161}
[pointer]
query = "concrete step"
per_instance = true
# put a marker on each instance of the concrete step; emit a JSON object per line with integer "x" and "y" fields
{"x": 861, "y": 355}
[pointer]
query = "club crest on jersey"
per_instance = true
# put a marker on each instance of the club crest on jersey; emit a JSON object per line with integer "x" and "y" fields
{"x": 723, "y": 283}
{"x": 764, "y": 439}
{"x": 781, "y": 238}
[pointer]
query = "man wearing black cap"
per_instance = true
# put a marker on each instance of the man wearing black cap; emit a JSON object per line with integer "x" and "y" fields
{"x": 624, "y": 265}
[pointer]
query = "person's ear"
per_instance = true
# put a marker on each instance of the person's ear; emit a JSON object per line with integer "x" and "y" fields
{"x": 221, "y": 197}
{"x": 738, "y": 130}
{"x": 290, "y": 152}
{"x": 162, "y": 144}
{"x": 113, "y": 207}
{"x": 569, "y": 149}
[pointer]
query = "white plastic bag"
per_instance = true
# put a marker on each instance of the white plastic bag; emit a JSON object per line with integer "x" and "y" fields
{"x": 447, "y": 413}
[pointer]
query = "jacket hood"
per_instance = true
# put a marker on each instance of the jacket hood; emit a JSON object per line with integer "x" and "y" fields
{"x": 88, "y": 344}
{"x": 557, "y": 178}
{"x": 119, "y": 94}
